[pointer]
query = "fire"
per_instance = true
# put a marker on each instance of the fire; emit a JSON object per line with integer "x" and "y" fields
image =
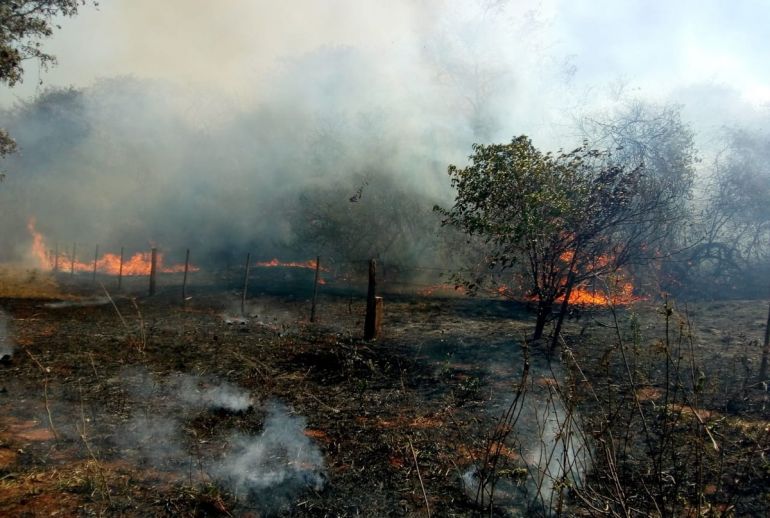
{"x": 310, "y": 264}
{"x": 39, "y": 251}
{"x": 138, "y": 264}
{"x": 620, "y": 295}
{"x": 618, "y": 290}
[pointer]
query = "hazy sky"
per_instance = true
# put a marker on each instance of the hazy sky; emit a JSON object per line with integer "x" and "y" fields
{"x": 659, "y": 49}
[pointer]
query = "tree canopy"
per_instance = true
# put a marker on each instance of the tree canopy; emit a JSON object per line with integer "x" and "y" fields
{"x": 23, "y": 24}
{"x": 563, "y": 217}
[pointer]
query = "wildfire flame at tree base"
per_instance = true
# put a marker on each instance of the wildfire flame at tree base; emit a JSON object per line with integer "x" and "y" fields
{"x": 621, "y": 295}
{"x": 139, "y": 264}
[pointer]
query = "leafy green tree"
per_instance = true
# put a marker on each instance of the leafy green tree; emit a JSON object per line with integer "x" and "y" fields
{"x": 23, "y": 24}
{"x": 562, "y": 218}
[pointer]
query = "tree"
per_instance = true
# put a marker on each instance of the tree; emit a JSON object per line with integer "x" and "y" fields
{"x": 735, "y": 222}
{"x": 23, "y": 23}
{"x": 565, "y": 217}
{"x": 355, "y": 218}
{"x": 655, "y": 136}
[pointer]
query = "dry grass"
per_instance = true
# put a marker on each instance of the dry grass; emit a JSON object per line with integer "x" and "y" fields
{"x": 19, "y": 281}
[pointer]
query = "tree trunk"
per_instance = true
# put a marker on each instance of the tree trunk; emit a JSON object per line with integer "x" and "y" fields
{"x": 543, "y": 312}
{"x": 563, "y": 310}
{"x": 567, "y": 293}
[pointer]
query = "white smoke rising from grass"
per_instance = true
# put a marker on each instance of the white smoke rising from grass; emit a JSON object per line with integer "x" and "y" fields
{"x": 272, "y": 468}
{"x": 155, "y": 439}
{"x": 84, "y": 303}
{"x": 550, "y": 445}
{"x": 194, "y": 391}
{"x": 267, "y": 471}
{"x": 186, "y": 392}
{"x": 552, "y": 451}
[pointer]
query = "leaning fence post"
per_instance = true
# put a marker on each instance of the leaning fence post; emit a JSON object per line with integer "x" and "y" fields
{"x": 120, "y": 270}
{"x": 370, "y": 322}
{"x": 96, "y": 261}
{"x": 245, "y": 284}
{"x": 153, "y": 268}
{"x": 184, "y": 279}
{"x": 315, "y": 287}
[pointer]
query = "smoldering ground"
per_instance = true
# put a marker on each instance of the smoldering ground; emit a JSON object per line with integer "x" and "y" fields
{"x": 544, "y": 449}
{"x": 264, "y": 471}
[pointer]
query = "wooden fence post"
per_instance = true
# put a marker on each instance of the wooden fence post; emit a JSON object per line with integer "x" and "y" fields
{"x": 315, "y": 288}
{"x": 120, "y": 269}
{"x": 96, "y": 260}
{"x": 245, "y": 284}
{"x": 153, "y": 269}
{"x": 184, "y": 279}
{"x": 56, "y": 258}
{"x": 370, "y": 322}
{"x": 72, "y": 263}
{"x": 379, "y": 310}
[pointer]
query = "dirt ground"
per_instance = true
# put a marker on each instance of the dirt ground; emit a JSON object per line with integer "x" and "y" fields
{"x": 93, "y": 420}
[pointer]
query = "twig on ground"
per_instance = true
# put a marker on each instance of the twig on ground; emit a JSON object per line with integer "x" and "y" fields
{"x": 45, "y": 371}
{"x": 419, "y": 476}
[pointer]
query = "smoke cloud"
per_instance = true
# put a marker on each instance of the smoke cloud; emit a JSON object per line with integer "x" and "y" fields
{"x": 151, "y": 159}
{"x": 204, "y": 129}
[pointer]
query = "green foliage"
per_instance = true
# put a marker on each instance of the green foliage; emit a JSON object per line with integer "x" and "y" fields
{"x": 567, "y": 216}
{"x": 354, "y": 219}
{"x": 23, "y": 24}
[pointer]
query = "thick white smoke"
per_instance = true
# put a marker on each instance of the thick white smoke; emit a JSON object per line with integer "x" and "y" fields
{"x": 194, "y": 391}
{"x": 270, "y": 469}
{"x": 266, "y": 471}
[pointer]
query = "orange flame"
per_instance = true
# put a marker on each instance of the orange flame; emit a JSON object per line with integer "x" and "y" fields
{"x": 138, "y": 264}
{"x": 310, "y": 264}
{"x": 621, "y": 295}
{"x": 619, "y": 292}
{"x": 39, "y": 251}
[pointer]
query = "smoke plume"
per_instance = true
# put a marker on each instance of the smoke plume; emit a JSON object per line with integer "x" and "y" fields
{"x": 266, "y": 471}
{"x": 196, "y": 392}
{"x": 270, "y": 469}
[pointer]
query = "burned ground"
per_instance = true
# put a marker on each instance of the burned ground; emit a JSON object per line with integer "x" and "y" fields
{"x": 95, "y": 417}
